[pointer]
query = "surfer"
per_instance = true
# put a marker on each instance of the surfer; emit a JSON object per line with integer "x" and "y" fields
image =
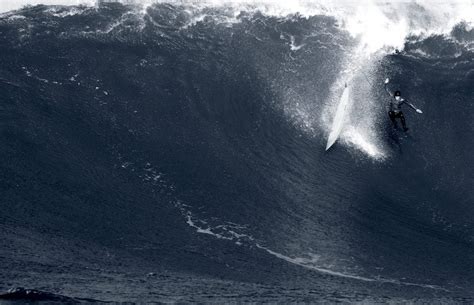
{"x": 396, "y": 107}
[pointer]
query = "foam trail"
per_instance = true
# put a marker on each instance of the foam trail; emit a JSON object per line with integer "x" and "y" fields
{"x": 377, "y": 23}
{"x": 360, "y": 140}
{"x": 240, "y": 238}
{"x": 299, "y": 262}
{"x": 7, "y": 5}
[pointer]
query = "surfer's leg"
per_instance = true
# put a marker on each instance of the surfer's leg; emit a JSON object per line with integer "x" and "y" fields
{"x": 391, "y": 114}
{"x": 404, "y": 123}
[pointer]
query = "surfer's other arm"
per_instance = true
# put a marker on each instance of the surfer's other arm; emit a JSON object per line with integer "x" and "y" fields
{"x": 398, "y": 99}
{"x": 412, "y": 106}
{"x": 386, "y": 87}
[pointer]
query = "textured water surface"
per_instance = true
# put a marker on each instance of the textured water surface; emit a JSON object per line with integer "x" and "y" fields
{"x": 175, "y": 153}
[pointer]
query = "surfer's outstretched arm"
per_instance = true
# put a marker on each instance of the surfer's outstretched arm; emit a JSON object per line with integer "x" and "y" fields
{"x": 386, "y": 87}
{"x": 412, "y": 106}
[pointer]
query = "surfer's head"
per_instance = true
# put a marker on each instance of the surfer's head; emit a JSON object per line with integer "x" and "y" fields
{"x": 397, "y": 95}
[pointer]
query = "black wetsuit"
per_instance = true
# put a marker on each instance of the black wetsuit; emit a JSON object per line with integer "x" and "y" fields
{"x": 396, "y": 110}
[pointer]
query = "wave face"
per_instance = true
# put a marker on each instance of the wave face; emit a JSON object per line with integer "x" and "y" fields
{"x": 189, "y": 140}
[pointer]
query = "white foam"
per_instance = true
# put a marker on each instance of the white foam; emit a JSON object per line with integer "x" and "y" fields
{"x": 359, "y": 139}
{"x": 225, "y": 232}
{"x": 8, "y": 5}
{"x": 377, "y": 23}
{"x": 310, "y": 264}
{"x": 207, "y": 230}
{"x": 361, "y": 114}
{"x": 293, "y": 46}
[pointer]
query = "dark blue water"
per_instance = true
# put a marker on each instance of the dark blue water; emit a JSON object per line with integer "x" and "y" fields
{"x": 147, "y": 157}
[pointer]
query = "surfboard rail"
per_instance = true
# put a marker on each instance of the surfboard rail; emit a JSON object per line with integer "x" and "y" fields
{"x": 339, "y": 117}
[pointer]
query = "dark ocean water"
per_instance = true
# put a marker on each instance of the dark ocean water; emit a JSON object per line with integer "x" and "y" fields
{"x": 153, "y": 156}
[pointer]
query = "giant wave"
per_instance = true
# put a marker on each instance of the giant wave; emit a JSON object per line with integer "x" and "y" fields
{"x": 186, "y": 141}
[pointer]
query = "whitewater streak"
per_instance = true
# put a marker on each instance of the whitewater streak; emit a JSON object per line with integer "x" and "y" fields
{"x": 227, "y": 232}
{"x": 378, "y": 23}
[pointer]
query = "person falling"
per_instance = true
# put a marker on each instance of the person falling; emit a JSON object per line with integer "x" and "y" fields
{"x": 396, "y": 107}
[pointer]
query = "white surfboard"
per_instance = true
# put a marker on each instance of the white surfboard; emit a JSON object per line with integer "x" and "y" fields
{"x": 338, "y": 121}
